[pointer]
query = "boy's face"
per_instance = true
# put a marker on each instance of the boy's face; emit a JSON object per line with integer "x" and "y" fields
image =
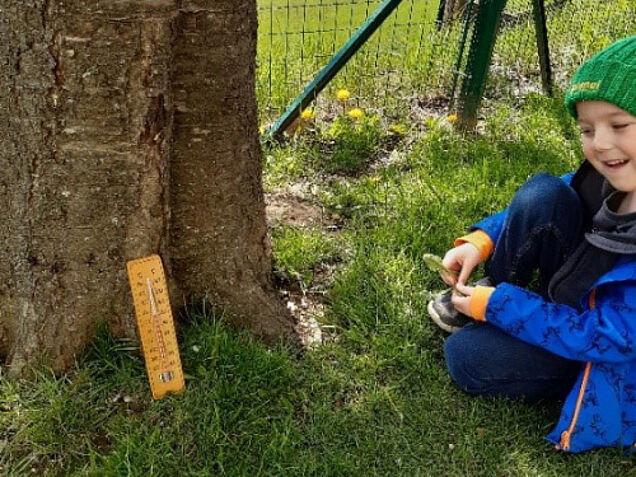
{"x": 608, "y": 134}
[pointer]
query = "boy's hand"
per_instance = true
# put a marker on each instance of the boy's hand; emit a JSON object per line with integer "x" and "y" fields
{"x": 463, "y": 260}
{"x": 462, "y": 302}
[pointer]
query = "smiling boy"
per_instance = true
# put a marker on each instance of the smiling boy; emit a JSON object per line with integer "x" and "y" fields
{"x": 575, "y": 338}
{"x": 608, "y": 136}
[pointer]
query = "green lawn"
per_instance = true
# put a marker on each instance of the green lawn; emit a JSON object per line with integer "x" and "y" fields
{"x": 376, "y": 398}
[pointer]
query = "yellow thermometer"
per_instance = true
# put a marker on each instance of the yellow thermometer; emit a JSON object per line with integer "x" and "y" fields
{"x": 156, "y": 325}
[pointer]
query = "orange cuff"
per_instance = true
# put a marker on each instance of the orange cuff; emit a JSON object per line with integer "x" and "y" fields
{"x": 479, "y": 239}
{"x": 479, "y": 302}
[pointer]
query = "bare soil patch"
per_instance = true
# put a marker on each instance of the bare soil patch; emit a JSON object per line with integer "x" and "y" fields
{"x": 286, "y": 208}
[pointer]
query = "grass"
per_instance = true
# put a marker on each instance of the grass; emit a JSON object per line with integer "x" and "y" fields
{"x": 343, "y": 145}
{"x": 299, "y": 251}
{"x": 376, "y": 399}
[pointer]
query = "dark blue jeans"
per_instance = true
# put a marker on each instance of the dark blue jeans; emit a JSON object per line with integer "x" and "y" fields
{"x": 543, "y": 226}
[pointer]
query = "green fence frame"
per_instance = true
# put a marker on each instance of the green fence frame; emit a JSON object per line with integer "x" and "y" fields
{"x": 488, "y": 18}
{"x": 335, "y": 65}
{"x": 481, "y": 48}
{"x": 538, "y": 10}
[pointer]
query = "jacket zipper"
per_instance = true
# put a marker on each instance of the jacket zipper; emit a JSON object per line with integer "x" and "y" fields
{"x": 566, "y": 436}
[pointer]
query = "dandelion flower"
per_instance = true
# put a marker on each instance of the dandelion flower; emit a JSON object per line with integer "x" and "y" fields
{"x": 343, "y": 94}
{"x": 452, "y": 118}
{"x": 399, "y": 129}
{"x": 307, "y": 114}
{"x": 355, "y": 113}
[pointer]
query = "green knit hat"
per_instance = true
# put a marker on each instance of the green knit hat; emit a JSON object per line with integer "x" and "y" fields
{"x": 608, "y": 76}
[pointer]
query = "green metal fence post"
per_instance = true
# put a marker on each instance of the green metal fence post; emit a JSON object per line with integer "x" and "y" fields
{"x": 335, "y": 65}
{"x": 479, "y": 56}
{"x": 440, "y": 14}
{"x": 462, "y": 45}
{"x": 538, "y": 10}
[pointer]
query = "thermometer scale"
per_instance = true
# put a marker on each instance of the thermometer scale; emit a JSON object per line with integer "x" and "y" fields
{"x": 156, "y": 325}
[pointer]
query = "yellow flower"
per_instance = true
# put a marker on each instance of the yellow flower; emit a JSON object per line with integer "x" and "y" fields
{"x": 399, "y": 129}
{"x": 355, "y": 113}
{"x": 262, "y": 130}
{"x": 452, "y": 118}
{"x": 307, "y": 114}
{"x": 343, "y": 95}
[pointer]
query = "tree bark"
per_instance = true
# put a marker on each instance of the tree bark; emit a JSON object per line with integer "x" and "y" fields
{"x": 127, "y": 128}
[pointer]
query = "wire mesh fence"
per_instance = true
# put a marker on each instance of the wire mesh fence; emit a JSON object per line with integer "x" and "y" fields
{"x": 407, "y": 54}
{"x": 576, "y": 30}
{"x": 414, "y": 57}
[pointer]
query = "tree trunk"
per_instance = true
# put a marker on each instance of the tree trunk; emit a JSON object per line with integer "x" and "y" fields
{"x": 127, "y": 128}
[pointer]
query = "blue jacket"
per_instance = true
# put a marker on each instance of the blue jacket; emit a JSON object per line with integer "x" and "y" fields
{"x": 600, "y": 410}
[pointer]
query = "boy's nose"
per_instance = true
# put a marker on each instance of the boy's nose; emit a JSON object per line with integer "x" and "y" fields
{"x": 602, "y": 141}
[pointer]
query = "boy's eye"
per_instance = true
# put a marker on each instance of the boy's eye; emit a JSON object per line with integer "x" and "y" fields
{"x": 587, "y": 132}
{"x": 619, "y": 126}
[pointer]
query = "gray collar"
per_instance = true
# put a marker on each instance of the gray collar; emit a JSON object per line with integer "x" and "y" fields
{"x": 612, "y": 231}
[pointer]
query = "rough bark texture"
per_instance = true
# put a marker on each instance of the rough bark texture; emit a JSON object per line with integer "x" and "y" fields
{"x": 127, "y": 128}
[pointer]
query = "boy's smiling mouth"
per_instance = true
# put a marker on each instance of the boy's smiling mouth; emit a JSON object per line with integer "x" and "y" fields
{"x": 615, "y": 163}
